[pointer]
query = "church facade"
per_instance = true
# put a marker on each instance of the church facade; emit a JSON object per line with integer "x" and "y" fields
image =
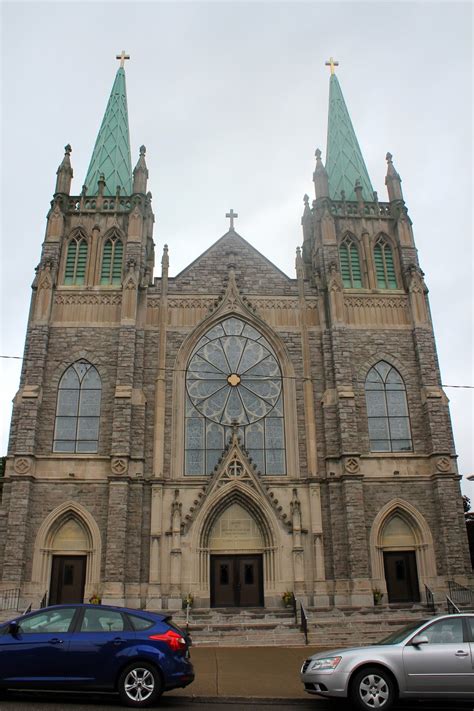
{"x": 230, "y": 432}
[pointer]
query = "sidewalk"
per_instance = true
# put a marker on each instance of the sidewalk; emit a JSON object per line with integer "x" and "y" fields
{"x": 267, "y": 672}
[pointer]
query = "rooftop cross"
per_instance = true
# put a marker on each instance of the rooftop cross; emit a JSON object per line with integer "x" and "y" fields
{"x": 231, "y": 215}
{"x": 332, "y": 63}
{"x": 122, "y": 57}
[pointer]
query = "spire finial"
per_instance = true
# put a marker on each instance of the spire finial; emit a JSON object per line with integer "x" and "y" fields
{"x": 332, "y": 63}
{"x": 123, "y": 56}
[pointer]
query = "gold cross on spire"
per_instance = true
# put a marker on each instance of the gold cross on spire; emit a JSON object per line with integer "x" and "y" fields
{"x": 122, "y": 57}
{"x": 332, "y": 63}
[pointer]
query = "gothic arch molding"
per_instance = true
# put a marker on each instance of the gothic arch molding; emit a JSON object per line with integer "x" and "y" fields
{"x": 424, "y": 549}
{"x": 44, "y": 545}
{"x": 214, "y": 507}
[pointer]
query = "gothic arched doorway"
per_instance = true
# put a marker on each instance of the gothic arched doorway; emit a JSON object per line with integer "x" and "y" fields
{"x": 236, "y": 560}
{"x": 399, "y": 558}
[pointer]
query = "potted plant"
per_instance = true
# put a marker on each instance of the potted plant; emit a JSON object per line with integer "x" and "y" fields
{"x": 188, "y": 601}
{"x": 378, "y": 595}
{"x": 288, "y": 598}
{"x": 95, "y": 599}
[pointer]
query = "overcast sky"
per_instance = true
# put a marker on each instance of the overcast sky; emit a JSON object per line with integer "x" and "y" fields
{"x": 230, "y": 100}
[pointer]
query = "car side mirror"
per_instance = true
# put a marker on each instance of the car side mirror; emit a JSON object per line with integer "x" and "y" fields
{"x": 419, "y": 639}
{"x": 13, "y": 628}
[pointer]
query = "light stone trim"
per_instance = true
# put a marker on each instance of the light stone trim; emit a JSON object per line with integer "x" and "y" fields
{"x": 424, "y": 549}
{"x": 377, "y": 311}
{"x": 44, "y": 545}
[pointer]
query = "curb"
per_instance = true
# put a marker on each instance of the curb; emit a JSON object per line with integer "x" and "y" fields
{"x": 241, "y": 700}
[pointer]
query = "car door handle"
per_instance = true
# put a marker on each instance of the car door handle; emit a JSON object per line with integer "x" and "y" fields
{"x": 461, "y": 653}
{"x": 118, "y": 640}
{"x": 55, "y": 640}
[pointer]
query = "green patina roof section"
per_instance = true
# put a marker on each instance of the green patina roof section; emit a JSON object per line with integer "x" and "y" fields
{"x": 111, "y": 156}
{"x": 344, "y": 161}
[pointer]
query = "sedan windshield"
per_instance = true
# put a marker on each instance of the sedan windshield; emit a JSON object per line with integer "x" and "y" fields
{"x": 400, "y": 635}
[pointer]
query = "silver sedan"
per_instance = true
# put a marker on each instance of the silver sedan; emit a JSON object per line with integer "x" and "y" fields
{"x": 430, "y": 659}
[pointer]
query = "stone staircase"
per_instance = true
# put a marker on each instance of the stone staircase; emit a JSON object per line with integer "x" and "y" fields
{"x": 335, "y": 627}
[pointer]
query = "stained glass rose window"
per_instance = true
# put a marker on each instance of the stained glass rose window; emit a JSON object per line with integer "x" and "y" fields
{"x": 234, "y": 379}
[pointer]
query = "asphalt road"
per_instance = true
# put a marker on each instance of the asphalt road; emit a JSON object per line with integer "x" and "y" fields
{"x": 32, "y": 701}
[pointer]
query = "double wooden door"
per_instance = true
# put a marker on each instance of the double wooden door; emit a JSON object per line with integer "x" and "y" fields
{"x": 68, "y": 575}
{"x": 236, "y": 581}
{"x": 401, "y": 576}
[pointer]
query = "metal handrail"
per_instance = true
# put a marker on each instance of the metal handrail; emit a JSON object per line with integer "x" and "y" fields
{"x": 44, "y": 600}
{"x": 452, "y": 607}
{"x": 430, "y": 603}
{"x": 10, "y": 599}
{"x": 304, "y": 623}
{"x": 460, "y": 594}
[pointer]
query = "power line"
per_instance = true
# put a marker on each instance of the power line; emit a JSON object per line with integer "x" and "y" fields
{"x": 257, "y": 377}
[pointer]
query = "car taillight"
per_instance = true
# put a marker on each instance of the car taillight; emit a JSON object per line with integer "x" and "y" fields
{"x": 172, "y": 638}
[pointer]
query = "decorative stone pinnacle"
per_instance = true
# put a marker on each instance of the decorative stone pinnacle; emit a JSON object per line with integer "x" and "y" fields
{"x": 388, "y": 157}
{"x": 67, "y": 149}
{"x": 317, "y": 153}
{"x": 142, "y": 150}
{"x": 305, "y": 199}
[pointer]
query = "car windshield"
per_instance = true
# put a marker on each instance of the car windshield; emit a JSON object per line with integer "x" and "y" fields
{"x": 400, "y": 635}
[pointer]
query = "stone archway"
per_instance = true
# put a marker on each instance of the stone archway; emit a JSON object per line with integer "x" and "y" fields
{"x": 69, "y": 530}
{"x": 401, "y": 532}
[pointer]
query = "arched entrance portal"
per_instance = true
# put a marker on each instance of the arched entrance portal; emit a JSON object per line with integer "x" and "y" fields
{"x": 236, "y": 557}
{"x": 68, "y": 570}
{"x": 399, "y": 558}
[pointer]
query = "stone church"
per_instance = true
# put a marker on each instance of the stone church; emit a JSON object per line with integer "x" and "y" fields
{"x": 230, "y": 432}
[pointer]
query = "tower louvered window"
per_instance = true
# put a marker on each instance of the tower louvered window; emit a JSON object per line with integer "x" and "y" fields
{"x": 387, "y": 410}
{"x": 112, "y": 259}
{"x": 78, "y": 409}
{"x": 76, "y": 261}
{"x": 350, "y": 264}
{"x": 384, "y": 265}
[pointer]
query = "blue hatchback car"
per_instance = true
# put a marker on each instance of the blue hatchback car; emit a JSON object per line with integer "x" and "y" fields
{"x": 95, "y": 647}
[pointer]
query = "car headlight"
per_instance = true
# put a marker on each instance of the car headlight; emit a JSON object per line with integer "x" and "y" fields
{"x": 324, "y": 664}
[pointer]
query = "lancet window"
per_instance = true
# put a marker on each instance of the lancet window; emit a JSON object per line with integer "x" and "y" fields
{"x": 234, "y": 382}
{"x": 387, "y": 410}
{"x": 76, "y": 261}
{"x": 112, "y": 260}
{"x": 350, "y": 263}
{"x": 78, "y": 409}
{"x": 384, "y": 265}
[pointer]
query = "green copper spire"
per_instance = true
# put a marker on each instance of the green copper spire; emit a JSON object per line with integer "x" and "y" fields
{"x": 111, "y": 156}
{"x": 344, "y": 162}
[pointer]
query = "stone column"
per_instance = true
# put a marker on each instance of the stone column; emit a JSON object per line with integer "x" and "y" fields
{"x": 16, "y": 545}
{"x": 357, "y": 544}
{"x": 114, "y": 590}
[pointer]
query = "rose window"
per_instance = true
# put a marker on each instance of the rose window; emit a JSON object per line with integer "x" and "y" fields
{"x": 233, "y": 379}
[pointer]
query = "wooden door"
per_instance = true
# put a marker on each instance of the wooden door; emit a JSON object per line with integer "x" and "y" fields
{"x": 401, "y": 576}
{"x": 236, "y": 581}
{"x": 68, "y": 575}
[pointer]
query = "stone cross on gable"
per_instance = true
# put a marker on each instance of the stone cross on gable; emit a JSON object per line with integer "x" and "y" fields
{"x": 122, "y": 57}
{"x": 232, "y": 215}
{"x": 332, "y": 63}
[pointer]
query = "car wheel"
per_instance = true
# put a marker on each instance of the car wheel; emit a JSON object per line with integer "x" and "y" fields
{"x": 139, "y": 685}
{"x": 373, "y": 688}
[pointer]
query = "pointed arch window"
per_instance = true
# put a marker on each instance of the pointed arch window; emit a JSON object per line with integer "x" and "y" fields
{"x": 76, "y": 261}
{"x": 112, "y": 261}
{"x": 384, "y": 265}
{"x": 233, "y": 381}
{"x": 387, "y": 410}
{"x": 350, "y": 263}
{"x": 78, "y": 409}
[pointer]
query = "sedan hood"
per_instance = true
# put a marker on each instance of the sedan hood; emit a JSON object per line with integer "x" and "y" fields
{"x": 344, "y": 650}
